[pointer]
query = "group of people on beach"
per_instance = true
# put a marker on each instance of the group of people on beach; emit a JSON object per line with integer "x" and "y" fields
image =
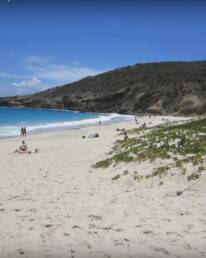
{"x": 23, "y": 131}
{"x": 23, "y": 148}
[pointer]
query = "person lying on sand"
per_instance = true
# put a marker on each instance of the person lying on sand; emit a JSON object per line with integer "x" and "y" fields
{"x": 94, "y": 135}
{"x": 24, "y": 149}
{"x": 120, "y": 130}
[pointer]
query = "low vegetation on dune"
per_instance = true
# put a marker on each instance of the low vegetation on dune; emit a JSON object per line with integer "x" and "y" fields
{"x": 179, "y": 144}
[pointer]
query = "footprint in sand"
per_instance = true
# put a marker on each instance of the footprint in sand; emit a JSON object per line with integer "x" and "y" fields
{"x": 175, "y": 233}
{"x": 76, "y": 227}
{"x": 147, "y": 232}
{"x": 161, "y": 250}
{"x": 88, "y": 245}
{"x": 17, "y": 210}
{"x": 21, "y": 252}
{"x": 72, "y": 252}
{"x": 138, "y": 226}
{"x": 187, "y": 246}
{"x": 202, "y": 221}
{"x": 117, "y": 243}
{"x": 118, "y": 230}
{"x": 95, "y": 217}
{"x": 203, "y": 254}
{"x": 174, "y": 240}
{"x": 166, "y": 219}
{"x": 48, "y": 225}
{"x": 190, "y": 226}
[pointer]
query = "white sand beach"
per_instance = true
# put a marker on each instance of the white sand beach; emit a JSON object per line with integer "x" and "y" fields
{"x": 54, "y": 204}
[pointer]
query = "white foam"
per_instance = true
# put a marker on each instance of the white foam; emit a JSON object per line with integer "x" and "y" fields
{"x": 11, "y": 131}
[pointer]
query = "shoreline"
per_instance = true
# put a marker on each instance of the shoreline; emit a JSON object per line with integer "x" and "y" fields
{"x": 122, "y": 118}
{"x": 128, "y": 118}
{"x": 40, "y": 126}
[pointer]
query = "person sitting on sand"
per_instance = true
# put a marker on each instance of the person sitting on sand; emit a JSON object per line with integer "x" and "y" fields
{"x": 22, "y": 148}
{"x": 144, "y": 126}
{"x": 125, "y": 136}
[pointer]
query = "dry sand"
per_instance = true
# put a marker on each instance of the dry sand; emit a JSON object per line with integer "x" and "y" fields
{"x": 54, "y": 204}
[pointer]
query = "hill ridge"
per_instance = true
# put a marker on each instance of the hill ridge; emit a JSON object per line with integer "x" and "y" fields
{"x": 171, "y": 87}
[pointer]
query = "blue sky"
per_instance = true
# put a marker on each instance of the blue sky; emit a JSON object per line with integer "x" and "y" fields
{"x": 49, "y": 43}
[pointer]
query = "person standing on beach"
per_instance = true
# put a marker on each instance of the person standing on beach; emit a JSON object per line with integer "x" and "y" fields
{"x": 22, "y": 131}
{"x": 136, "y": 121}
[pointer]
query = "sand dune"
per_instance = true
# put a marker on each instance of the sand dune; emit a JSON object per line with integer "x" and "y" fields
{"x": 54, "y": 204}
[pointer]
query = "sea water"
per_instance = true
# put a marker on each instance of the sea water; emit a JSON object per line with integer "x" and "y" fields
{"x": 43, "y": 120}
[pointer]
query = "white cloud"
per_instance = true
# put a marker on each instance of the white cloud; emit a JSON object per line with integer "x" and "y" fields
{"x": 35, "y": 61}
{"x": 43, "y": 68}
{"x": 29, "y": 83}
{"x": 13, "y": 76}
{"x": 42, "y": 73}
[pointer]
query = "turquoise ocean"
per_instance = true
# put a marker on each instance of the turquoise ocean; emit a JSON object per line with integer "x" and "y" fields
{"x": 43, "y": 120}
